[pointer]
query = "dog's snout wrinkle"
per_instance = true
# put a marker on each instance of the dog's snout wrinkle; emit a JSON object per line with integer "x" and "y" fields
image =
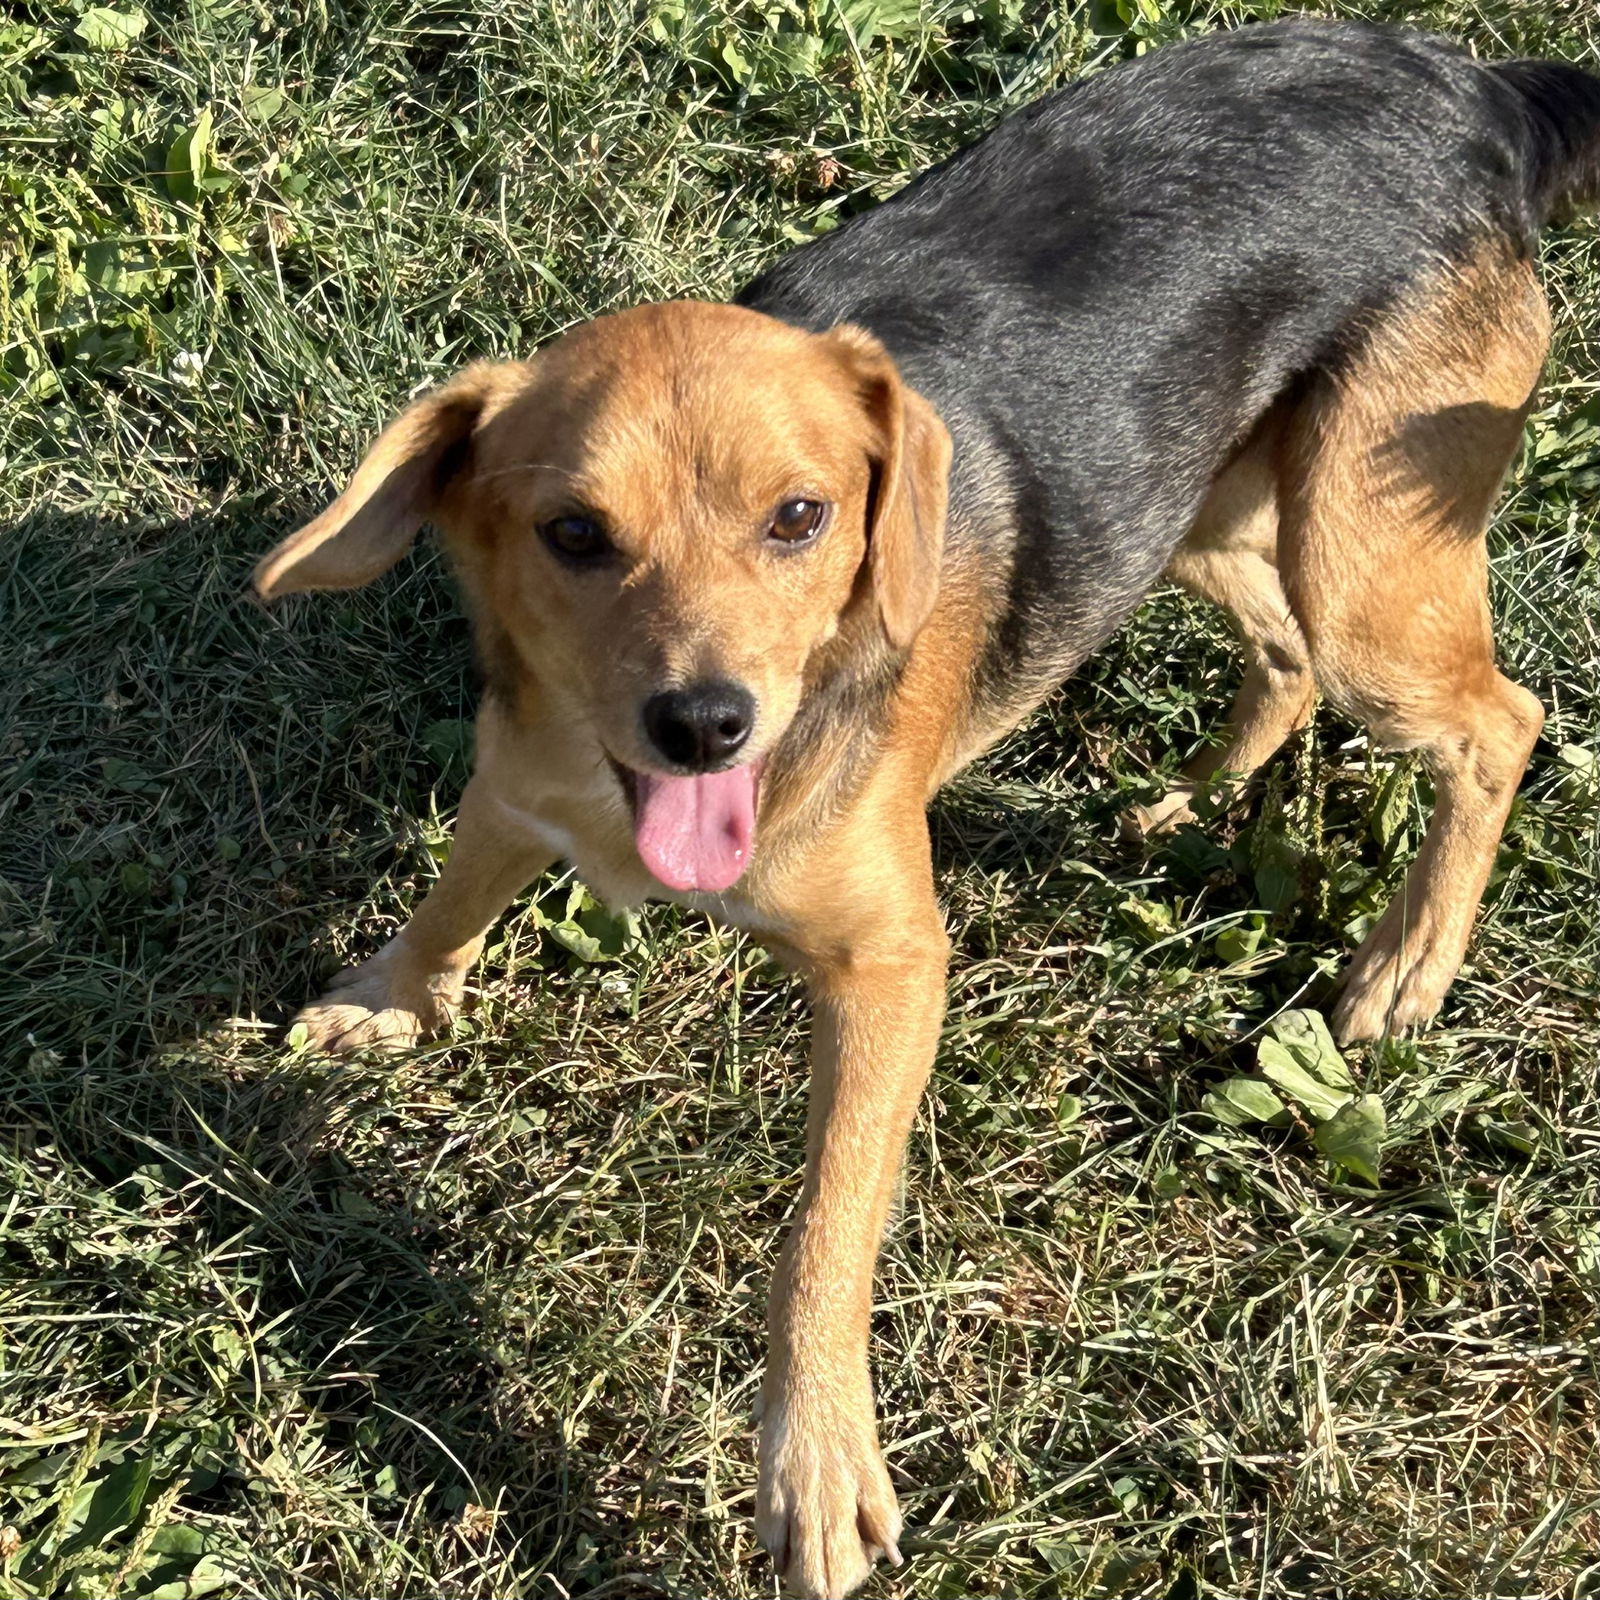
{"x": 700, "y": 728}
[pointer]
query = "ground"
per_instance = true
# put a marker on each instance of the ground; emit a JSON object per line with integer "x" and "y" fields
{"x": 485, "y": 1320}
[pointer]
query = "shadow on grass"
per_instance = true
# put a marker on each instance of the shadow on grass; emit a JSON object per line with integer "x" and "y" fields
{"x": 191, "y": 782}
{"x": 189, "y": 786}
{"x": 195, "y": 788}
{"x": 307, "y": 1337}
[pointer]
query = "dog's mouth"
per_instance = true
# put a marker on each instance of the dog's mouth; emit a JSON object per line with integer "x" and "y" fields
{"x": 696, "y": 832}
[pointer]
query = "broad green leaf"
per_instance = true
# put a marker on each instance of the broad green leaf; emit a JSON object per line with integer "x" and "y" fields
{"x": 593, "y": 934}
{"x": 1060, "y": 1555}
{"x": 1583, "y": 771}
{"x": 1319, "y": 1101}
{"x": 1353, "y": 1137}
{"x": 1195, "y": 854}
{"x": 262, "y": 102}
{"x": 582, "y": 944}
{"x": 1277, "y": 872}
{"x": 610, "y": 931}
{"x": 103, "y": 28}
{"x": 1239, "y": 944}
{"x": 1334, "y": 1237}
{"x": 18, "y": 41}
{"x": 230, "y": 1349}
{"x": 1516, "y": 1135}
{"x": 1305, "y": 1035}
{"x": 1128, "y": 1492}
{"x": 1279, "y": 1064}
{"x": 871, "y": 19}
{"x": 1238, "y": 1101}
{"x": 449, "y": 741}
{"x": 128, "y": 777}
{"x": 178, "y": 177}
{"x": 190, "y": 169}
{"x": 200, "y": 146}
{"x": 181, "y": 1577}
{"x": 1149, "y": 920}
{"x": 114, "y": 1502}
{"x": 797, "y": 55}
{"x": 102, "y": 266}
{"x": 178, "y": 1539}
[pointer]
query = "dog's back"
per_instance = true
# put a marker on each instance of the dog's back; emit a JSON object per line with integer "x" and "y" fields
{"x": 1107, "y": 294}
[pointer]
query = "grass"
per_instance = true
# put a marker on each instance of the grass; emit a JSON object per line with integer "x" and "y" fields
{"x": 485, "y": 1321}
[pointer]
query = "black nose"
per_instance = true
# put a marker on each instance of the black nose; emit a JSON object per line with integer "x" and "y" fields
{"x": 700, "y": 727}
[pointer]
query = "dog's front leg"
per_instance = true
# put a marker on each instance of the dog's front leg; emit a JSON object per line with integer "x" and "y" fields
{"x": 825, "y": 1508}
{"x": 413, "y": 986}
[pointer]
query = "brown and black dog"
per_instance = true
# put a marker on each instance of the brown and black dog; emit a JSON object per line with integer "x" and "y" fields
{"x": 750, "y": 582}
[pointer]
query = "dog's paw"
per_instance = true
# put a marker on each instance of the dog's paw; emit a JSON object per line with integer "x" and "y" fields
{"x": 385, "y": 1004}
{"x": 1397, "y": 981}
{"x": 824, "y": 1507}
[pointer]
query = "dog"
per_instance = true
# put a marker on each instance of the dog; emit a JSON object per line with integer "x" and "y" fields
{"x": 750, "y": 581}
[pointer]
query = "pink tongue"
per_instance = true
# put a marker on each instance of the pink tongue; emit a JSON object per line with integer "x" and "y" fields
{"x": 695, "y": 833}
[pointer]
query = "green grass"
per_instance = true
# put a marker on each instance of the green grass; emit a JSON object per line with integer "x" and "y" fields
{"x": 485, "y": 1321}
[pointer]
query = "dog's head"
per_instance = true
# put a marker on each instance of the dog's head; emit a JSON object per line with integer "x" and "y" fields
{"x": 662, "y": 518}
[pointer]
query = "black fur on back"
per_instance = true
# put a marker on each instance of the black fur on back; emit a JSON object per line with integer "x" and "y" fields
{"x": 1106, "y": 293}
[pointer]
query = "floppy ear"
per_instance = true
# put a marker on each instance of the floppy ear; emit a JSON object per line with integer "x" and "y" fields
{"x": 397, "y": 488}
{"x": 906, "y": 516}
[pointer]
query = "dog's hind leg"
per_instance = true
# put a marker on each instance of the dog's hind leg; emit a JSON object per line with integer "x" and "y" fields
{"x": 1230, "y": 557}
{"x": 1391, "y": 469}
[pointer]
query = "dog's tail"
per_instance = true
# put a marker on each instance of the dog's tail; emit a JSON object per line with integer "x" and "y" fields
{"x": 1560, "y": 110}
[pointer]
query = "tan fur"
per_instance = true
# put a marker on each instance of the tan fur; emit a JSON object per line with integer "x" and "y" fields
{"x": 1347, "y": 542}
{"x": 1230, "y": 557}
{"x": 907, "y": 532}
{"x": 685, "y": 425}
{"x": 395, "y": 490}
{"x": 1392, "y": 472}
{"x": 1346, "y": 538}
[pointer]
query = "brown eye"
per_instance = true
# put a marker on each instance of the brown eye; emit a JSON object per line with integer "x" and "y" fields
{"x": 576, "y": 538}
{"x": 798, "y": 522}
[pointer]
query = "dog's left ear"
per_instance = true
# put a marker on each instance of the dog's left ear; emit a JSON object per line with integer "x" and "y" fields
{"x": 401, "y": 484}
{"x": 911, "y": 454}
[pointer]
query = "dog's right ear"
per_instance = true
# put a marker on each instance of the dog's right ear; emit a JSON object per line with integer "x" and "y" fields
{"x": 399, "y": 486}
